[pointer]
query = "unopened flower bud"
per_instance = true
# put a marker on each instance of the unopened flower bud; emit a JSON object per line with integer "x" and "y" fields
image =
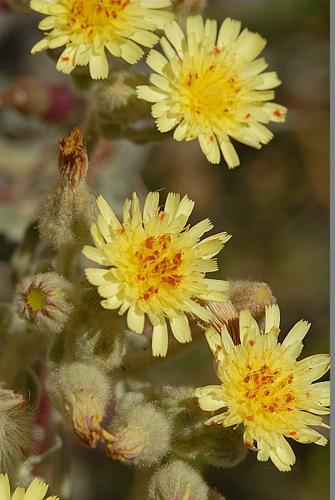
{"x": 117, "y": 102}
{"x": 101, "y": 348}
{"x": 81, "y": 391}
{"x": 141, "y": 436}
{"x": 185, "y": 8}
{"x": 220, "y": 446}
{"x": 68, "y": 212}
{"x": 252, "y": 295}
{"x": 16, "y": 436}
{"x": 177, "y": 480}
{"x": 43, "y": 301}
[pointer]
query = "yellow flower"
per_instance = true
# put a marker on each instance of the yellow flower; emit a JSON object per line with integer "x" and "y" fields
{"x": 88, "y": 27}
{"x": 35, "y": 491}
{"x": 265, "y": 388}
{"x": 210, "y": 86}
{"x": 156, "y": 264}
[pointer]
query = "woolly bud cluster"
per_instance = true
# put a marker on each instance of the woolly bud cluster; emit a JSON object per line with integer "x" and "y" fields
{"x": 67, "y": 212}
{"x": 81, "y": 391}
{"x": 177, "y": 480}
{"x": 141, "y": 435}
{"x": 43, "y": 301}
{"x": 16, "y": 434}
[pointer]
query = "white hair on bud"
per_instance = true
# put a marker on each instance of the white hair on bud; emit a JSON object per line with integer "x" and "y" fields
{"x": 16, "y": 430}
{"x": 102, "y": 348}
{"x": 142, "y": 435}
{"x": 42, "y": 300}
{"x": 177, "y": 479}
{"x": 81, "y": 392}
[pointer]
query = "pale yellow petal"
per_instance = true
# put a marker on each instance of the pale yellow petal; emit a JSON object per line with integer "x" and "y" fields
{"x": 135, "y": 319}
{"x": 36, "y": 490}
{"x": 272, "y": 317}
{"x": 180, "y": 328}
{"x": 4, "y": 487}
{"x": 160, "y": 339}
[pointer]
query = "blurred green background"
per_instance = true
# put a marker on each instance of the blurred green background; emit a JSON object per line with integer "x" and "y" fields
{"x": 276, "y": 206}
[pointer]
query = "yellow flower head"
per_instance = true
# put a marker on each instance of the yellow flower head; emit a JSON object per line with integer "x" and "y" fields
{"x": 265, "y": 388}
{"x": 35, "y": 491}
{"x": 210, "y": 86}
{"x": 156, "y": 265}
{"x": 88, "y": 27}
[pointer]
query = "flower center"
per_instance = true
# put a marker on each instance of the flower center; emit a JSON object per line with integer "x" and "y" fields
{"x": 90, "y": 14}
{"x": 267, "y": 391}
{"x": 158, "y": 265}
{"x": 36, "y": 300}
{"x": 210, "y": 92}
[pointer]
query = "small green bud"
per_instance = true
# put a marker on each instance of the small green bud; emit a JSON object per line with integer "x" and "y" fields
{"x": 116, "y": 100}
{"x": 81, "y": 391}
{"x": 177, "y": 480}
{"x": 101, "y": 348}
{"x": 219, "y": 446}
{"x": 43, "y": 301}
{"x": 141, "y": 435}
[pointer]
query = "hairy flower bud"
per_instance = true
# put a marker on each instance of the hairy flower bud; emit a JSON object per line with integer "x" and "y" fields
{"x": 192, "y": 439}
{"x": 101, "y": 348}
{"x": 252, "y": 295}
{"x": 116, "y": 100}
{"x": 177, "y": 480}
{"x": 43, "y": 300}
{"x": 141, "y": 435}
{"x": 81, "y": 391}
{"x": 16, "y": 434}
{"x": 185, "y": 8}
{"x": 219, "y": 446}
{"x": 67, "y": 212}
